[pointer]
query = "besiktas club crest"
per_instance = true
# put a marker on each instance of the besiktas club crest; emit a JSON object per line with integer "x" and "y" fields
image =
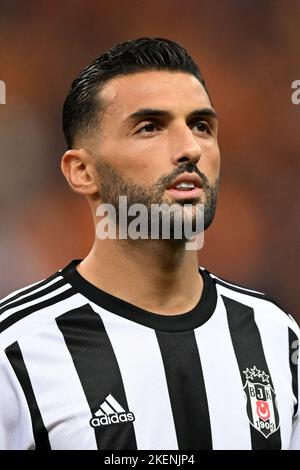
{"x": 261, "y": 402}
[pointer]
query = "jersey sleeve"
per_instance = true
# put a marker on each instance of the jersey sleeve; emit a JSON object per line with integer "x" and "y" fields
{"x": 15, "y": 421}
{"x": 295, "y": 440}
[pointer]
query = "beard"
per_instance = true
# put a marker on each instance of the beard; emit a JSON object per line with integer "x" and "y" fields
{"x": 113, "y": 185}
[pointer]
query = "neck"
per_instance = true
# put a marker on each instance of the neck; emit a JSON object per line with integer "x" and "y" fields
{"x": 155, "y": 275}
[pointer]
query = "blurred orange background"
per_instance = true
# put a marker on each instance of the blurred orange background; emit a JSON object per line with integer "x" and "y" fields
{"x": 249, "y": 54}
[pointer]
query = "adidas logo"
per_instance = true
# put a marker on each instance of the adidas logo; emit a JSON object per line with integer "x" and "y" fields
{"x": 111, "y": 412}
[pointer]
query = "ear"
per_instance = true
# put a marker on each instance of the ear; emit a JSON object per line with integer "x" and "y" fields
{"x": 78, "y": 169}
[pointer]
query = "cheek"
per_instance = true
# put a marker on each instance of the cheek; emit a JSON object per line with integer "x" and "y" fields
{"x": 128, "y": 167}
{"x": 217, "y": 160}
{"x": 144, "y": 164}
{"x": 210, "y": 161}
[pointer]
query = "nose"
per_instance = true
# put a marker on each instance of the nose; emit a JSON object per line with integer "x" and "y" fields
{"x": 186, "y": 147}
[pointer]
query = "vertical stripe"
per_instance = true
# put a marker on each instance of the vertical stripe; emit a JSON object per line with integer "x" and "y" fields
{"x": 294, "y": 358}
{"x": 142, "y": 369}
{"x": 249, "y": 353}
{"x": 16, "y": 360}
{"x": 56, "y": 385}
{"x": 98, "y": 370}
{"x": 295, "y": 441}
{"x": 225, "y": 394}
{"x": 186, "y": 389}
{"x": 272, "y": 324}
{"x": 15, "y": 421}
{"x": 273, "y": 327}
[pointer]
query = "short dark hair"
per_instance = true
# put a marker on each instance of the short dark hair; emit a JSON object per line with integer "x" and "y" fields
{"x": 82, "y": 104}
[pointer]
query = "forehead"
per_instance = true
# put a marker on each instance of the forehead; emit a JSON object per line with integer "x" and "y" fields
{"x": 174, "y": 91}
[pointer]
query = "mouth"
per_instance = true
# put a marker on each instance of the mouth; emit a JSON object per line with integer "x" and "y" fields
{"x": 186, "y": 186}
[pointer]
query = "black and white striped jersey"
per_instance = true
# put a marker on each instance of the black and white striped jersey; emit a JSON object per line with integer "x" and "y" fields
{"x": 82, "y": 369}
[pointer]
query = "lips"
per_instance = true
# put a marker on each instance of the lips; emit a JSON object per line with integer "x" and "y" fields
{"x": 186, "y": 182}
{"x": 186, "y": 185}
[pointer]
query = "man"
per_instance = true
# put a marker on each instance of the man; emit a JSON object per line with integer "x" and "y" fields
{"x": 135, "y": 347}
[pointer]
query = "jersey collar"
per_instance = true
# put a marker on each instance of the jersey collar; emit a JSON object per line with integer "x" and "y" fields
{"x": 180, "y": 322}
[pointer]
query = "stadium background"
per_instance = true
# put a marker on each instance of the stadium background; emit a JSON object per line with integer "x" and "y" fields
{"x": 248, "y": 52}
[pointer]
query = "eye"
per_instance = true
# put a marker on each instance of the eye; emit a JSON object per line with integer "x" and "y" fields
{"x": 202, "y": 126}
{"x": 148, "y": 128}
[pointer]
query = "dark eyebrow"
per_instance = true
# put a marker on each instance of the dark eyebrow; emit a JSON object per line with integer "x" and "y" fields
{"x": 204, "y": 112}
{"x": 146, "y": 113}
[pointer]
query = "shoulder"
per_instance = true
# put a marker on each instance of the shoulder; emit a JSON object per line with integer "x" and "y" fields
{"x": 20, "y": 310}
{"x": 264, "y": 307}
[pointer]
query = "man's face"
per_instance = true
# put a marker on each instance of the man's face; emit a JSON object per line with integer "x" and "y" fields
{"x": 156, "y": 127}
